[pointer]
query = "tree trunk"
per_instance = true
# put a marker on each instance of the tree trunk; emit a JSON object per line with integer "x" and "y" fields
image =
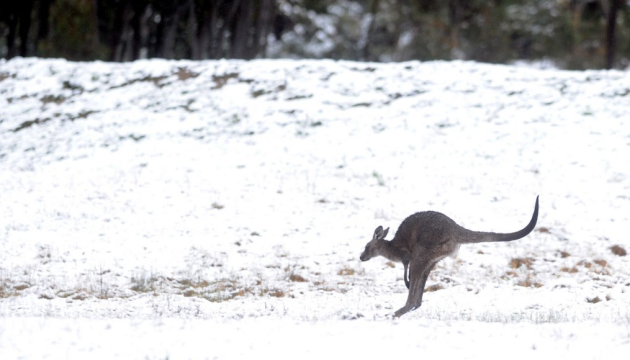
{"x": 213, "y": 46}
{"x": 171, "y": 22}
{"x": 365, "y": 50}
{"x": 240, "y": 39}
{"x": 610, "y": 33}
{"x": 121, "y": 20}
{"x": 43, "y": 23}
{"x": 13, "y": 23}
{"x": 25, "y": 10}
{"x": 266, "y": 12}
{"x": 227, "y": 27}
{"x": 137, "y": 22}
{"x": 191, "y": 30}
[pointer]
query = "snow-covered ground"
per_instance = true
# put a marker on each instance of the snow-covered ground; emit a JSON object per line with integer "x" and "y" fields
{"x": 218, "y": 209}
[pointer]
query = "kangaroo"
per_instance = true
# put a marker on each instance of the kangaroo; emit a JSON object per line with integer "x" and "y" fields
{"x": 425, "y": 238}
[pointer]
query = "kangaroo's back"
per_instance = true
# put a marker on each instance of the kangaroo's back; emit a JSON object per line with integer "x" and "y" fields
{"x": 427, "y": 229}
{"x": 430, "y": 229}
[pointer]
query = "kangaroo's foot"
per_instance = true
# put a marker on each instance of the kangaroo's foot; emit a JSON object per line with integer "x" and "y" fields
{"x": 402, "y": 311}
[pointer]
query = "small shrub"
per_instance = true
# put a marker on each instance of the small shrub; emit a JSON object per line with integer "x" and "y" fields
{"x": 143, "y": 283}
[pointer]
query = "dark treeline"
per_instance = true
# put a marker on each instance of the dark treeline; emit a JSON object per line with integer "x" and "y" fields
{"x": 573, "y": 34}
{"x": 125, "y": 30}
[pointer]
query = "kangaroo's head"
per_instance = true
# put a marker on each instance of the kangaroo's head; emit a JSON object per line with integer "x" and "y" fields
{"x": 372, "y": 248}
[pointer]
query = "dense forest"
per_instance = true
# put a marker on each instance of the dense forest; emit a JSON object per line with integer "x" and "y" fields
{"x": 572, "y": 34}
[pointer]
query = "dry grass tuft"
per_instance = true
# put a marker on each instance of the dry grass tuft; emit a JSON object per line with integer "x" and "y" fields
{"x": 529, "y": 282}
{"x": 217, "y": 206}
{"x": 21, "y": 287}
{"x": 6, "y": 291}
{"x": 618, "y": 250}
{"x": 188, "y": 283}
{"x": 572, "y": 270}
{"x": 144, "y": 282}
{"x": 57, "y": 99}
{"x": 296, "y": 278}
{"x": 277, "y": 293}
{"x": 509, "y": 274}
{"x": 518, "y": 262}
{"x": 346, "y": 271}
{"x": 433, "y": 288}
{"x": 585, "y": 264}
{"x": 601, "y": 262}
{"x": 221, "y": 80}
{"x": 185, "y": 74}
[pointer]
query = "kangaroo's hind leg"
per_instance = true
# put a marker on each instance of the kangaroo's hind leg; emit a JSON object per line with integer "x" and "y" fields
{"x": 418, "y": 274}
{"x": 405, "y": 277}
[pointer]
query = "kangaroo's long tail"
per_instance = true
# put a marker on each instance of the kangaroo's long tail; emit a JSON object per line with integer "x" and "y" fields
{"x": 480, "y": 236}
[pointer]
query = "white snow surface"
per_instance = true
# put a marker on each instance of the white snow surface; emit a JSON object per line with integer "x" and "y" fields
{"x": 217, "y": 209}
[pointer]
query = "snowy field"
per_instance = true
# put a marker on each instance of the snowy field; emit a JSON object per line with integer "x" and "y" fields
{"x": 217, "y": 209}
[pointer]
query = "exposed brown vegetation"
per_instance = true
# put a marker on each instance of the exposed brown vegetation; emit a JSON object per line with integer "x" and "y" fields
{"x": 572, "y": 270}
{"x": 601, "y": 262}
{"x": 435, "y": 287}
{"x": 618, "y": 250}
{"x": 529, "y": 282}
{"x": 57, "y": 99}
{"x": 217, "y": 206}
{"x": 296, "y": 278}
{"x": 221, "y": 80}
{"x": 594, "y": 300}
{"x": 346, "y": 271}
{"x": 185, "y": 74}
{"x": 518, "y": 262}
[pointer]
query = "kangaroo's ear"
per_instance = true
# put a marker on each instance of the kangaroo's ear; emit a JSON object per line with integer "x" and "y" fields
{"x": 385, "y": 233}
{"x": 378, "y": 232}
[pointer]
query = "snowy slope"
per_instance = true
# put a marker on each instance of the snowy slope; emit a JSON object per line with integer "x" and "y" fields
{"x": 224, "y": 190}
